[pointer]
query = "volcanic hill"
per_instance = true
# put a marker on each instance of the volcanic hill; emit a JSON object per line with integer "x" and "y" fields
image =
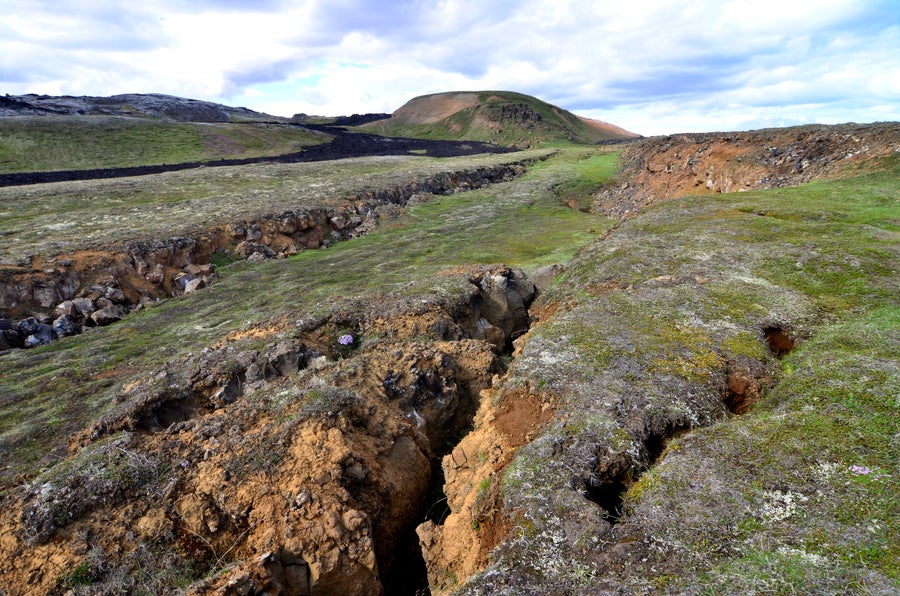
{"x": 500, "y": 117}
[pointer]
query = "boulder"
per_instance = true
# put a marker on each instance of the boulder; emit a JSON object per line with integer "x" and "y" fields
{"x": 43, "y": 335}
{"x": 543, "y": 277}
{"x": 66, "y": 308}
{"x": 84, "y": 307}
{"x": 64, "y": 326}
{"x": 200, "y": 270}
{"x": 10, "y": 338}
{"x": 194, "y": 284}
{"x": 505, "y": 296}
{"x": 29, "y": 326}
{"x": 247, "y": 249}
{"x": 116, "y": 295}
{"x": 108, "y": 315}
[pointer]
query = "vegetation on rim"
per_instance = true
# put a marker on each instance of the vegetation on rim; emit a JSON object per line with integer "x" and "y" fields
{"x": 431, "y": 237}
{"x": 797, "y": 496}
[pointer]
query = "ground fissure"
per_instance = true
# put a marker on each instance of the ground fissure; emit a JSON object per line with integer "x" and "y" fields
{"x": 62, "y": 295}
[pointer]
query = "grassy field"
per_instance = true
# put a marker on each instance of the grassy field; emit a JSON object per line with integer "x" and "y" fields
{"x": 796, "y": 496}
{"x": 48, "y": 219}
{"x": 35, "y": 144}
{"x": 53, "y": 390}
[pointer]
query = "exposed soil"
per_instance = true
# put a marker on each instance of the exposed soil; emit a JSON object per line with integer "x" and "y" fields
{"x": 434, "y": 108}
{"x": 473, "y": 471}
{"x": 277, "y": 461}
{"x": 660, "y": 168}
{"x": 609, "y": 128}
{"x": 295, "y": 468}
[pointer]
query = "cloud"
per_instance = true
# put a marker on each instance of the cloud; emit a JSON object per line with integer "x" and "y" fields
{"x": 657, "y": 64}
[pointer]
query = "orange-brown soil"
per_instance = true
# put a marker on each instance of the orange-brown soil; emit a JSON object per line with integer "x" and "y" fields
{"x": 660, "y": 168}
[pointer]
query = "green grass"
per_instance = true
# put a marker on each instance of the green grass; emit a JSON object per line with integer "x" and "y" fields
{"x": 598, "y": 171}
{"x": 32, "y": 144}
{"x": 827, "y": 435}
{"x": 40, "y": 219}
{"x": 797, "y": 496}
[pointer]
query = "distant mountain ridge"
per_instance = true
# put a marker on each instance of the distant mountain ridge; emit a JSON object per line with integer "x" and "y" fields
{"x": 135, "y": 105}
{"x": 501, "y": 117}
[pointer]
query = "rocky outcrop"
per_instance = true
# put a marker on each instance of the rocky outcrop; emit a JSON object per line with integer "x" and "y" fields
{"x": 659, "y": 168}
{"x": 147, "y": 271}
{"x": 147, "y": 105}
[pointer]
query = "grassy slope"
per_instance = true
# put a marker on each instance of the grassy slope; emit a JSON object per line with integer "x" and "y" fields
{"x": 41, "y": 219}
{"x": 33, "y": 144}
{"x": 556, "y": 126}
{"x": 769, "y": 502}
{"x": 51, "y": 391}
{"x": 813, "y": 473}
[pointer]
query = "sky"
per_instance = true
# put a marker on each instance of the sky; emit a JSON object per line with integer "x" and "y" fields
{"x": 650, "y": 66}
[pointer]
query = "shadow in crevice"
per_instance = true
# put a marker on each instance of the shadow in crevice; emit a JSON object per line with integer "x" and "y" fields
{"x": 609, "y": 494}
{"x": 608, "y": 489}
{"x": 779, "y": 340}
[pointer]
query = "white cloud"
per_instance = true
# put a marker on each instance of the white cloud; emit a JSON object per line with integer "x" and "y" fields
{"x": 652, "y": 66}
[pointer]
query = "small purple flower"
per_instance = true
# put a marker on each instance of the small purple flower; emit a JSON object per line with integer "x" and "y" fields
{"x": 860, "y": 470}
{"x": 345, "y": 340}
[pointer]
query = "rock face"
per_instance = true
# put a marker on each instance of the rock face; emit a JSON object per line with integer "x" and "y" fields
{"x": 659, "y": 168}
{"x": 147, "y": 271}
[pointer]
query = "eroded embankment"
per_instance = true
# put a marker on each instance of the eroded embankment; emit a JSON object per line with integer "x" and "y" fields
{"x": 294, "y": 457}
{"x": 64, "y": 294}
{"x": 659, "y": 168}
{"x": 541, "y": 481}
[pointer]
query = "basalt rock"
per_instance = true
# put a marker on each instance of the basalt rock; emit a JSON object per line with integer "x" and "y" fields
{"x": 108, "y": 315}
{"x": 150, "y": 270}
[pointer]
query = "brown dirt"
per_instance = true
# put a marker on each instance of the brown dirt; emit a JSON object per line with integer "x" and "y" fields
{"x": 473, "y": 474}
{"x": 660, "y": 168}
{"x": 610, "y": 128}
{"x": 521, "y": 414}
{"x": 434, "y": 108}
{"x": 290, "y": 472}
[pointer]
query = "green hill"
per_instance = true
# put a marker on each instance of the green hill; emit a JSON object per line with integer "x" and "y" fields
{"x": 501, "y": 117}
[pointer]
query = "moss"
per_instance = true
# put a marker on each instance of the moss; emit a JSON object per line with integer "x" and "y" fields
{"x": 798, "y": 494}
{"x": 98, "y": 475}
